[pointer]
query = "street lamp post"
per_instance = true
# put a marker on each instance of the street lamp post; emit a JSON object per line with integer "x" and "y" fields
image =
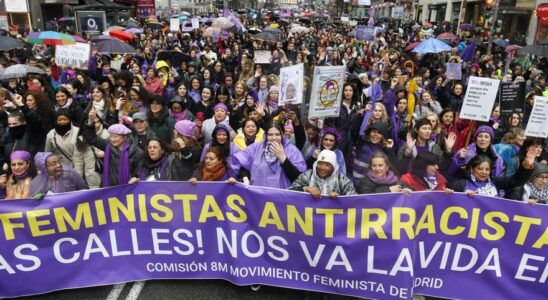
{"x": 495, "y": 15}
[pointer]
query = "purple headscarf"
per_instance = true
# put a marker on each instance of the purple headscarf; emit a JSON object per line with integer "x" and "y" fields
{"x": 21, "y": 155}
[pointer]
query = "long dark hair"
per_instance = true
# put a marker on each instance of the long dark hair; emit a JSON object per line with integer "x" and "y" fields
{"x": 161, "y": 118}
{"x": 215, "y": 143}
{"x": 423, "y": 160}
{"x": 43, "y": 105}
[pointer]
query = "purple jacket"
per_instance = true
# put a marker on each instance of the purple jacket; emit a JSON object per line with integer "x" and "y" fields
{"x": 265, "y": 174}
{"x": 457, "y": 161}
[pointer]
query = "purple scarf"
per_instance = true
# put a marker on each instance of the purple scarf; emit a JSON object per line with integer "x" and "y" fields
{"x": 123, "y": 168}
{"x": 161, "y": 163}
{"x": 177, "y": 116}
{"x": 390, "y": 178}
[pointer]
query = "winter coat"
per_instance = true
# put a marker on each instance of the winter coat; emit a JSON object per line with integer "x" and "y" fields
{"x": 65, "y": 148}
{"x": 184, "y": 164}
{"x": 136, "y": 155}
{"x": 458, "y": 161}
{"x": 163, "y": 130}
{"x": 418, "y": 184}
{"x": 272, "y": 174}
{"x": 343, "y": 187}
{"x": 32, "y": 141}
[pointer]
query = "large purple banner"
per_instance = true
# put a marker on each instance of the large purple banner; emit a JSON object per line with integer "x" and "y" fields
{"x": 387, "y": 246}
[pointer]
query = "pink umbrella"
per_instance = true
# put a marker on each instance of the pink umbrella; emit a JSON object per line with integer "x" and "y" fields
{"x": 78, "y": 39}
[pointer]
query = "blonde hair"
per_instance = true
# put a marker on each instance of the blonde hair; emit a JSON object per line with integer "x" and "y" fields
{"x": 437, "y": 128}
{"x": 384, "y": 116}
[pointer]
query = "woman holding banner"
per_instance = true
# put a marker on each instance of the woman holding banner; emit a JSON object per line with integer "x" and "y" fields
{"x": 480, "y": 181}
{"x": 272, "y": 163}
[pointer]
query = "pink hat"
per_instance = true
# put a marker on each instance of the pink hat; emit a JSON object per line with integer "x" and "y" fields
{"x": 118, "y": 129}
{"x": 185, "y": 127}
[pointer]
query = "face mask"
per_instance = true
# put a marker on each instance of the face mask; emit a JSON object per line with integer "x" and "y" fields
{"x": 62, "y": 129}
{"x": 17, "y": 132}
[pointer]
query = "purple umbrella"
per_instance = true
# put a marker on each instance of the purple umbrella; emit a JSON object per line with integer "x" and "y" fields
{"x": 134, "y": 30}
{"x": 79, "y": 39}
{"x": 468, "y": 53}
{"x": 466, "y": 27}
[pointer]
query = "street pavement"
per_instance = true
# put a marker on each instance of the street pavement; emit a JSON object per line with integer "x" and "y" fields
{"x": 182, "y": 290}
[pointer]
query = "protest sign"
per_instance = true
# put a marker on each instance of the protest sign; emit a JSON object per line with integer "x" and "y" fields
{"x": 397, "y": 12}
{"x": 291, "y": 84}
{"x": 365, "y": 32}
{"x": 262, "y": 57}
{"x": 174, "y": 24}
{"x": 327, "y": 87}
{"x": 479, "y": 99}
{"x": 512, "y": 97}
{"x": 454, "y": 71}
{"x": 537, "y": 125}
{"x": 90, "y": 22}
{"x": 195, "y": 23}
{"x": 383, "y": 246}
{"x": 73, "y": 55}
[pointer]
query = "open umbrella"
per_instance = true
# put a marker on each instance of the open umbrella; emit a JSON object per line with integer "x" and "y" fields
{"x": 134, "y": 30}
{"x": 19, "y": 70}
{"x": 8, "y": 43}
{"x": 254, "y": 30}
{"x": 102, "y": 37}
{"x": 351, "y": 33}
{"x": 185, "y": 13}
{"x": 115, "y": 27}
{"x": 273, "y": 30}
{"x": 114, "y": 46}
{"x": 300, "y": 30}
{"x": 222, "y": 22}
{"x": 538, "y": 50}
{"x": 131, "y": 25}
{"x": 466, "y": 27}
{"x": 78, "y": 39}
{"x": 155, "y": 25}
{"x": 267, "y": 36}
{"x": 305, "y": 20}
{"x": 510, "y": 48}
{"x": 125, "y": 36}
{"x": 50, "y": 38}
{"x": 501, "y": 42}
{"x": 446, "y": 36}
{"x": 432, "y": 46}
{"x": 412, "y": 46}
{"x": 212, "y": 31}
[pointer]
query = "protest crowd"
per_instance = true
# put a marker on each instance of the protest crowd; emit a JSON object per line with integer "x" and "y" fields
{"x": 199, "y": 105}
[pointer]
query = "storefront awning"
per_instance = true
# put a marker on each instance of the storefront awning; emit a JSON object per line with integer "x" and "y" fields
{"x": 102, "y": 4}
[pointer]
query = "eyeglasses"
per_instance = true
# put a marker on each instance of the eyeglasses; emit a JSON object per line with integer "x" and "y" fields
{"x": 542, "y": 177}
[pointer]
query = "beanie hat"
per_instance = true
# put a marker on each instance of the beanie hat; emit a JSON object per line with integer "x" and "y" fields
{"x": 118, "y": 129}
{"x": 274, "y": 89}
{"x": 220, "y": 106}
{"x": 185, "y": 128}
{"x": 485, "y": 129}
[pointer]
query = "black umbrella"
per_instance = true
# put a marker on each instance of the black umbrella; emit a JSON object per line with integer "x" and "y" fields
{"x": 175, "y": 57}
{"x": 131, "y": 24}
{"x": 273, "y": 30}
{"x": 305, "y": 20}
{"x": 538, "y": 50}
{"x": 267, "y": 36}
{"x": 8, "y": 43}
{"x": 114, "y": 46}
{"x": 155, "y": 25}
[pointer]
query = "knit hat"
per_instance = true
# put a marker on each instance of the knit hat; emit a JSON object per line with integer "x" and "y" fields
{"x": 381, "y": 127}
{"x": 274, "y": 89}
{"x": 220, "y": 106}
{"x": 485, "y": 129}
{"x": 185, "y": 127}
{"x": 253, "y": 95}
{"x": 119, "y": 129}
{"x": 329, "y": 157}
{"x": 63, "y": 112}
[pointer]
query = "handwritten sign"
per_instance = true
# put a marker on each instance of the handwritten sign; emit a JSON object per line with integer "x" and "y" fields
{"x": 263, "y": 57}
{"x": 73, "y": 55}
{"x": 538, "y": 120}
{"x": 454, "y": 71}
{"x": 479, "y": 99}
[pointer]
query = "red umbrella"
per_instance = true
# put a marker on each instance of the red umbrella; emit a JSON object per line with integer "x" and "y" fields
{"x": 412, "y": 46}
{"x": 447, "y": 36}
{"x": 121, "y": 35}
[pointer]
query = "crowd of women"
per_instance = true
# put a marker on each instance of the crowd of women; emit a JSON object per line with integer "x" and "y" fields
{"x": 214, "y": 116}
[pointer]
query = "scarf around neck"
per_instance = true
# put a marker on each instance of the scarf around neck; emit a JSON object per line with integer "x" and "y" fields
{"x": 390, "y": 178}
{"x": 541, "y": 195}
{"x": 123, "y": 167}
{"x": 214, "y": 174}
